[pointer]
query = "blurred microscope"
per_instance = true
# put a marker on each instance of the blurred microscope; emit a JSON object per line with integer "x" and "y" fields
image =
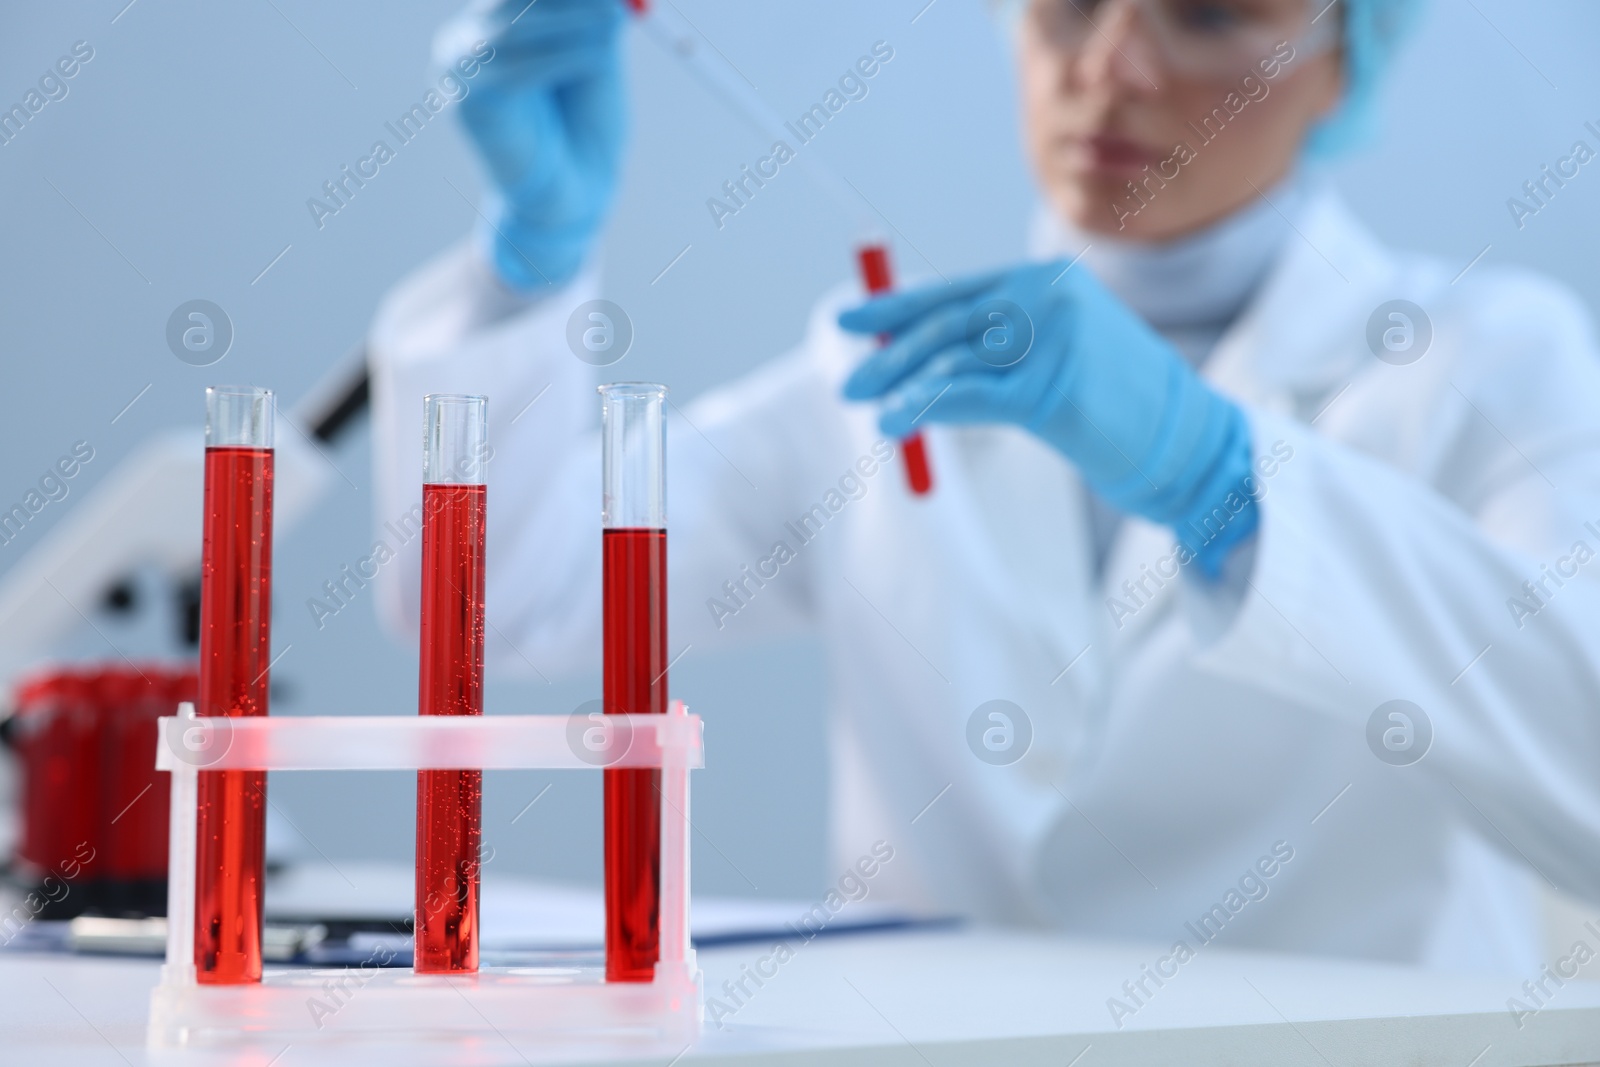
{"x": 83, "y": 812}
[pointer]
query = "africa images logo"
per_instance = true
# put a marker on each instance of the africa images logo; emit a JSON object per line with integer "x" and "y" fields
{"x": 199, "y": 742}
{"x": 999, "y": 732}
{"x": 1399, "y": 733}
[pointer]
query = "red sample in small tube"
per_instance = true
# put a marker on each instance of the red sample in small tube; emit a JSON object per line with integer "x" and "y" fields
{"x": 450, "y": 802}
{"x": 235, "y": 654}
{"x": 876, "y": 276}
{"x": 634, "y": 547}
{"x": 875, "y": 273}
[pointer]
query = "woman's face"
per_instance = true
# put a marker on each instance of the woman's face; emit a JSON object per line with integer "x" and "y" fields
{"x": 1198, "y": 103}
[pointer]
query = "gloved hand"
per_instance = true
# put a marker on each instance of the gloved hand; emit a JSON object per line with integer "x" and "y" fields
{"x": 1056, "y": 353}
{"x": 546, "y": 113}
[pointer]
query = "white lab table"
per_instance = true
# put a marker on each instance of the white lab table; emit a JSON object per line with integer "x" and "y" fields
{"x": 940, "y": 999}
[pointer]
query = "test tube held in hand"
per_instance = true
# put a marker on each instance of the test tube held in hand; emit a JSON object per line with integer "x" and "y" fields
{"x": 873, "y": 258}
{"x": 450, "y": 802}
{"x": 634, "y": 552}
{"x": 235, "y": 655}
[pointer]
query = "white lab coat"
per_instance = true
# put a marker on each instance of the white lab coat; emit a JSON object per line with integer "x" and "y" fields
{"x": 1170, "y": 752}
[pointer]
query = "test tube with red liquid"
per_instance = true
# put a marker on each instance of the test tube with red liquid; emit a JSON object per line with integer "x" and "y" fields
{"x": 634, "y": 552}
{"x": 873, "y": 259}
{"x": 450, "y": 802}
{"x": 235, "y": 654}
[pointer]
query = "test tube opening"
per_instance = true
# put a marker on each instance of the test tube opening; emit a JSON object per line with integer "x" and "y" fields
{"x": 239, "y": 416}
{"x": 633, "y": 455}
{"x": 455, "y": 439}
{"x": 450, "y": 679}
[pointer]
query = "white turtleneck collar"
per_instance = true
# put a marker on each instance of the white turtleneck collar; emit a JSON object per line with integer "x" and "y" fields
{"x": 1190, "y": 289}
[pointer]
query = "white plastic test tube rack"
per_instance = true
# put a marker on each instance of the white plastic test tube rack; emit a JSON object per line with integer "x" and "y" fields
{"x": 559, "y": 1005}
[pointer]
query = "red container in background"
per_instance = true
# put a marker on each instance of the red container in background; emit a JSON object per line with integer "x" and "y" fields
{"x": 93, "y": 806}
{"x": 56, "y": 733}
{"x": 133, "y": 796}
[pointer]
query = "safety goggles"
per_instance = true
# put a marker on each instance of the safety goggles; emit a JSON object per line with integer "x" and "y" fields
{"x": 1209, "y": 39}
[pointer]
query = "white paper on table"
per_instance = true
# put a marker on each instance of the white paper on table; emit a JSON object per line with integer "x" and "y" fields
{"x": 519, "y": 913}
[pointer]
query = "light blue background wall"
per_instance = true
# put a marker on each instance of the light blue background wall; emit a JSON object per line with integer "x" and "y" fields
{"x": 180, "y": 163}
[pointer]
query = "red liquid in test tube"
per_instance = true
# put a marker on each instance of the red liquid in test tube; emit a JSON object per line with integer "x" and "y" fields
{"x": 450, "y": 802}
{"x": 235, "y": 644}
{"x": 876, "y": 276}
{"x": 634, "y": 547}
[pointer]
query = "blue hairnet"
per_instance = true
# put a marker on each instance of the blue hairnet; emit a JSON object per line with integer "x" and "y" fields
{"x": 1373, "y": 32}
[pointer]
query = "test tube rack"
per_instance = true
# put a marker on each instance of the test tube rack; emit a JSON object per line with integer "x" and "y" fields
{"x": 559, "y": 1005}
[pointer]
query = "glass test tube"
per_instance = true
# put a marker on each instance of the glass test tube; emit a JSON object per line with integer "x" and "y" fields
{"x": 634, "y": 550}
{"x": 876, "y": 276}
{"x": 235, "y": 654}
{"x": 450, "y": 803}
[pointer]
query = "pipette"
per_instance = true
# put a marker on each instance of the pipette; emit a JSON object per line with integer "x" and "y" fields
{"x": 681, "y": 41}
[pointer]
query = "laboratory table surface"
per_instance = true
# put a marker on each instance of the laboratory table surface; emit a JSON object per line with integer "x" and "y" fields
{"x": 939, "y": 999}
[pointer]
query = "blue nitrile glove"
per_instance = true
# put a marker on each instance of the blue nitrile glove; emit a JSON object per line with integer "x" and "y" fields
{"x": 547, "y": 115}
{"x": 1050, "y": 349}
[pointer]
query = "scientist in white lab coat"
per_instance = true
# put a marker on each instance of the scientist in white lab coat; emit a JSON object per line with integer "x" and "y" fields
{"x": 1226, "y": 480}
